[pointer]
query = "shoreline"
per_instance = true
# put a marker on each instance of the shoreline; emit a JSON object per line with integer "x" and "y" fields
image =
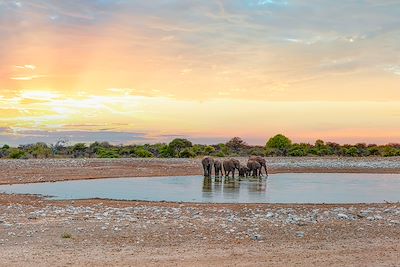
{"x": 51, "y": 170}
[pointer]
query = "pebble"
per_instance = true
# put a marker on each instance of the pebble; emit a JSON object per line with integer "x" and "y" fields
{"x": 300, "y": 234}
{"x": 257, "y": 237}
{"x": 342, "y": 216}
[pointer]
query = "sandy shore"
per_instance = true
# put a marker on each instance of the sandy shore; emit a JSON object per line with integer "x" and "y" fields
{"x": 35, "y": 231}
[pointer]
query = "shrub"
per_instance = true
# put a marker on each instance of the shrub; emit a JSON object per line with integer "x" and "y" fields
{"x": 166, "y": 152}
{"x": 352, "y": 151}
{"x": 187, "y": 153}
{"x": 40, "y": 150}
{"x": 257, "y": 151}
{"x": 16, "y": 153}
{"x": 143, "y": 153}
{"x": 374, "y": 151}
{"x": 66, "y": 235}
{"x": 209, "y": 150}
{"x": 389, "y": 151}
{"x": 220, "y": 154}
{"x": 107, "y": 153}
{"x": 199, "y": 149}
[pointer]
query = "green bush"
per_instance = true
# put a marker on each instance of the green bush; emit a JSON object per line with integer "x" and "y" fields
{"x": 40, "y": 150}
{"x": 166, "y": 152}
{"x": 107, "y": 153}
{"x": 352, "y": 151}
{"x": 390, "y": 152}
{"x": 143, "y": 153}
{"x": 297, "y": 152}
{"x": 220, "y": 154}
{"x": 208, "y": 150}
{"x": 16, "y": 153}
{"x": 187, "y": 153}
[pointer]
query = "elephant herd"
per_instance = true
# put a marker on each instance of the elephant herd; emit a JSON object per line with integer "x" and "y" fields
{"x": 253, "y": 167}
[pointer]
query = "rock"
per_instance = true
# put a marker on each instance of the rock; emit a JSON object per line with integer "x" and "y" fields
{"x": 270, "y": 215}
{"x": 300, "y": 234}
{"x": 342, "y": 216}
{"x": 374, "y": 218}
{"x": 257, "y": 237}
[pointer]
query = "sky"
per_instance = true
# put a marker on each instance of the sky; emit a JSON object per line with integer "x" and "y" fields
{"x": 150, "y": 71}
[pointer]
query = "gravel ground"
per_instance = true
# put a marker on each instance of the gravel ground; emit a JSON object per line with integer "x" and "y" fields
{"x": 115, "y": 233}
{"x": 36, "y": 231}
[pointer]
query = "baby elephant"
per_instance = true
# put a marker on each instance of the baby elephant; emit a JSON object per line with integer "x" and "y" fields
{"x": 207, "y": 165}
{"x": 243, "y": 171}
{"x": 255, "y": 167}
{"x": 218, "y": 167}
{"x": 230, "y": 165}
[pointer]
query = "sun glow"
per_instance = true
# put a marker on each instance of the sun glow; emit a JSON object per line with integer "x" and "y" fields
{"x": 210, "y": 74}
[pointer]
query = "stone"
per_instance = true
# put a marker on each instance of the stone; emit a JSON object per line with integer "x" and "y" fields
{"x": 300, "y": 234}
{"x": 270, "y": 215}
{"x": 342, "y": 216}
{"x": 257, "y": 237}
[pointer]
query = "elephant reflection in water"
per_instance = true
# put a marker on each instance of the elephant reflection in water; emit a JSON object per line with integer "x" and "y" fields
{"x": 207, "y": 184}
{"x": 231, "y": 185}
{"x": 256, "y": 187}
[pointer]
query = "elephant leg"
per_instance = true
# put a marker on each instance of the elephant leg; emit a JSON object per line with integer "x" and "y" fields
{"x": 266, "y": 172}
{"x": 204, "y": 170}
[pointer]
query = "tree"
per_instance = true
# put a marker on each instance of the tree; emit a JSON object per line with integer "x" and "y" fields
{"x": 178, "y": 144}
{"x": 278, "y": 145}
{"x": 5, "y": 147}
{"x": 79, "y": 150}
{"x": 236, "y": 144}
{"x": 60, "y": 147}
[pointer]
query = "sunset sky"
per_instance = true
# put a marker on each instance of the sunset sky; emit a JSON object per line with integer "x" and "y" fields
{"x": 148, "y": 71}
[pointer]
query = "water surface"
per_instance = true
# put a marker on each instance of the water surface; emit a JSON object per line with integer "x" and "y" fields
{"x": 278, "y": 188}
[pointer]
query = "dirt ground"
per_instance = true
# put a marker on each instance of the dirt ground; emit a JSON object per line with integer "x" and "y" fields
{"x": 36, "y": 231}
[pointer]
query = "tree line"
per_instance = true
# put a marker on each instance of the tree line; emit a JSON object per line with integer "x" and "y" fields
{"x": 279, "y": 145}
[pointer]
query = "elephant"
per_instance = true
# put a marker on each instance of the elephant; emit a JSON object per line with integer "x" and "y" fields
{"x": 230, "y": 165}
{"x": 262, "y": 161}
{"x": 207, "y": 165}
{"x": 243, "y": 171}
{"x": 218, "y": 167}
{"x": 255, "y": 167}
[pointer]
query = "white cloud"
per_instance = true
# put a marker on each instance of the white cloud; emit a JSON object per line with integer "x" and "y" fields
{"x": 395, "y": 69}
